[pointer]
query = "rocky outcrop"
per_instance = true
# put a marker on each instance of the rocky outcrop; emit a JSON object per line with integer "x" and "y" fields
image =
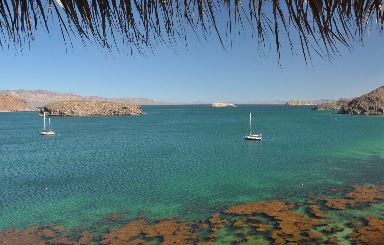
{"x": 222, "y": 104}
{"x": 336, "y": 106}
{"x": 368, "y": 104}
{"x": 90, "y": 108}
{"x": 9, "y": 103}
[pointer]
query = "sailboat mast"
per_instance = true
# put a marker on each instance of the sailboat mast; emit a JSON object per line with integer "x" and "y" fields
{"x": 44, "y": 120}
{"x": 49, "y": 122}
{"x": 250, "y": 123}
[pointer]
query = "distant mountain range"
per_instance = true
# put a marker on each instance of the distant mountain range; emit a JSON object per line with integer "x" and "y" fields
{"x": 39, "y": 98}
{"x": 283, "y": 102}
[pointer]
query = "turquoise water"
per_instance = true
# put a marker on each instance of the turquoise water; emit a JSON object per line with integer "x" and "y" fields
{"x": 178, "y": 161}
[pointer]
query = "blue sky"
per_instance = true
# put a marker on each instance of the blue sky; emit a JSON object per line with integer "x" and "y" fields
{"x": 202, "y": 72}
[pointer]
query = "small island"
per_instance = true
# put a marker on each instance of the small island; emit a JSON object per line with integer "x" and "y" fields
{"x": 90, "y": 108}
{"x": 10, "y": 103}
{"x": 223, "y": 104}
{"x": 299, "y": 103}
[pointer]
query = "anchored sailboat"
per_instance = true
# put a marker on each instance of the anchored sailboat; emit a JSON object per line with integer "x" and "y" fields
{"x": 47, "y": 131}
{"x": 252, "y": 136}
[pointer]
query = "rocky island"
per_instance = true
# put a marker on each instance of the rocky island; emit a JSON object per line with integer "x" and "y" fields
{"x": 90, "y": 108}
{"x": 367, "y": 104}
{"x": 222, "y": 104}
{"x": 9, "y": 103}
{"x": 332, "y": 106}
{"x": 299, "y": 102}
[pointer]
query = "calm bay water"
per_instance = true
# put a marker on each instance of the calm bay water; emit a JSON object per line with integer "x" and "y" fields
{"x": 178, "y": 161}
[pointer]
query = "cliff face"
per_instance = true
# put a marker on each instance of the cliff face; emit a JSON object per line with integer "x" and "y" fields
{"x": 9, "y": 103}
{"x": 337, "y": 105}
{"x": 368, "y": 104}
{"x": 90, "y": 108}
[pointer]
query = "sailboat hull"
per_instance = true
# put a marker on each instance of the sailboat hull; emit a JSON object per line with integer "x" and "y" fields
{"x": 47, "y": 133}
{"x": 254, "y": 137}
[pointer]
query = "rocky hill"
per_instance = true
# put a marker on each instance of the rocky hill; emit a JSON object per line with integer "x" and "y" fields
{"x": 336, "y": 105}
{"x": 10, "y": 103}
{"x": 367, "y": 104}
{"x": 39, "y": 98}
{"x": 90, "y": 108}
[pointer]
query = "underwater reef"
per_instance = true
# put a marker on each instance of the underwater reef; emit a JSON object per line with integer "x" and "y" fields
{"x": 354, "y": 215}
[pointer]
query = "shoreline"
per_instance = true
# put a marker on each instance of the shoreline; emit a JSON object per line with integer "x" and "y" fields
{"x": 19, "y": 111}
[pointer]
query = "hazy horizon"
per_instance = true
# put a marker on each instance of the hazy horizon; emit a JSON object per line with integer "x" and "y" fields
{"x": 271, "y": 101}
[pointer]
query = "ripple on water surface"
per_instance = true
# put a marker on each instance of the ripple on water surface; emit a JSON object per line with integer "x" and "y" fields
{"x": 178, "y": 160}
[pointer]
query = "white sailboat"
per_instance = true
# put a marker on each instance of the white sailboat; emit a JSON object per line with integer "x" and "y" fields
{"x": 47, "y": 131}
{"x": 252, "y": 136}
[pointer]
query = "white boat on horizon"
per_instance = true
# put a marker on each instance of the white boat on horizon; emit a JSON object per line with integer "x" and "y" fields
{"x": 47, "y": 131}
{"x": 251, "y": 135}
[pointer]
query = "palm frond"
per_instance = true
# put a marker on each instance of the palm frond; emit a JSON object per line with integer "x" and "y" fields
{"x": 314, "y": 25}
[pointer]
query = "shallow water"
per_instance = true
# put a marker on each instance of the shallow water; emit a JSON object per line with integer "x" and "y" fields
{"x": 184, "y": 161}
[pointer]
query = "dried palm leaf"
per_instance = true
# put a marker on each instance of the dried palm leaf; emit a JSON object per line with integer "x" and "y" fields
{"x": 313, "y": 25}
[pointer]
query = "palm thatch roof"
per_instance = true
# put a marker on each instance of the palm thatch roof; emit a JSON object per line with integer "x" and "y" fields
{"x": 312, "y": 25}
